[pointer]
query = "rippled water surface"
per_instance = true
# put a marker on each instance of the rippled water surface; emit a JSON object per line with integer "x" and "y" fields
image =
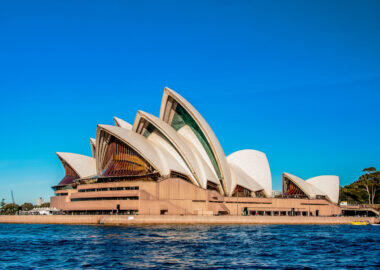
{"x": 202, "y": 247}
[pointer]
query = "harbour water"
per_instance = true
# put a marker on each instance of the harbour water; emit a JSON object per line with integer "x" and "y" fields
{"x": 24, "y": 246}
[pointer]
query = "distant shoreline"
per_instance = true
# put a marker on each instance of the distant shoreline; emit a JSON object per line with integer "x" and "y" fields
{"x": 173, "y": 219}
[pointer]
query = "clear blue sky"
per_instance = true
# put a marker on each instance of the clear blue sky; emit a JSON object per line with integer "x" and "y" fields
{"x": 298, "y": 80}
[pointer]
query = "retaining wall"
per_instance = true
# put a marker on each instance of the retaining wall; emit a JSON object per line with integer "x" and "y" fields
{"x": 173, "y": 219}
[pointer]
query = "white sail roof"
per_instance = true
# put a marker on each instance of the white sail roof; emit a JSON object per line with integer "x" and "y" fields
{"x": 92, "y": 143}
{"x": 255, "y": 165}
{"x": 240, "y": 178}
{"x": 324, "y": 185}
{"x": 84, "y": 166}
{"x": 184, "y": 151}
{"x": 121, "y": 123}
{"x": 170, "y": 101}
{"x": 158, "y": 158}
{"x": 307, "y": 188}
{"x": 328, "y": 184}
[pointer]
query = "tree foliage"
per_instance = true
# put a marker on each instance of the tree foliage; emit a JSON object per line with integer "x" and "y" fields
{"x": 9, "y": 209}
{"x": 27, "y": 206}
{"x": 47, "y": 204}
{"x": 364, "y": 190}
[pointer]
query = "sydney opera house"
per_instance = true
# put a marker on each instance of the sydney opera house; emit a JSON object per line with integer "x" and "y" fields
{"x": 174, "y": 165}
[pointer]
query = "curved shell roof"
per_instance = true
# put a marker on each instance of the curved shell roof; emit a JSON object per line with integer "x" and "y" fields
{"x": 206, "y": 173}
{"x": 243, "y": 179}
{"x": 121, "y": 123}
{"x": 160, "y": 159}
{"x": 166, "y": 114}
{"x": 307, "y": 188}
{"x": 328, "y": 184}
{"x": 324, "y": 185}
{"x": 170, "y": 163}
{"x": 84, "y": 166}
{"x": 190, "y": 157}
{"x": 181, "y": 141}
{"x": 188, "y": 136}
{"x": 254, "y": 164}
{"x": 92, "y": 143}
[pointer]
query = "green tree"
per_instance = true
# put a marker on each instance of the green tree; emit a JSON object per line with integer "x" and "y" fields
{"x": 2, "y": 203}
{"x": 364, "y": 189}
{"x": 47, "y": 204}
{"x": 10, "y": 209}
{"x": 370, "y": 183}
{"x": 27, "y": 206}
